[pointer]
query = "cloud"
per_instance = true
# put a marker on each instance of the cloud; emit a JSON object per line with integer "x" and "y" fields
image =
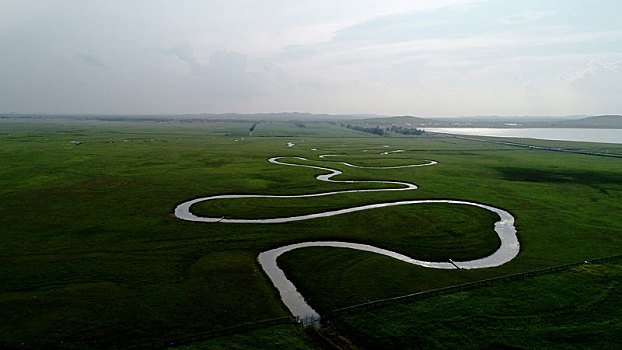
{"x": 399, "y": 57}
{"x": 603, "y": 80}
{"x": 596, "y": 68}
{"x": 226, "y": 73}
{"x": 525, "y": 17}
{"x": 184, "y": 52}
{"x": 89, "y": 59}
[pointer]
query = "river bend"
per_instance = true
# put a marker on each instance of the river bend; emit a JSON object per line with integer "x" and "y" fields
{"x": 292, "y": 299}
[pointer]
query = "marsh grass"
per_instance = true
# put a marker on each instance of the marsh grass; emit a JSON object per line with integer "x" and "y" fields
{"x": 91, "y": 253}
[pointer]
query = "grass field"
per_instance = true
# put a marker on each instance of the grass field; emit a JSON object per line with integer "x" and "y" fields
{"x": 92, "y": 255}
{"x": 275, "y": 337}
{"x": 579, "y": 308}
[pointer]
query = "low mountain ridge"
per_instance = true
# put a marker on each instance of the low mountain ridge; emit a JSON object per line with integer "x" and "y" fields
{"x": 601, "y": 121}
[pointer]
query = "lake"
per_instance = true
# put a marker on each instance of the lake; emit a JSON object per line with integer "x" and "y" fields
{"x": 560, "y": 134}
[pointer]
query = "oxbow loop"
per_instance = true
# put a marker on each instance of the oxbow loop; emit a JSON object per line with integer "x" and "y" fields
{"x": 294, "y": 301}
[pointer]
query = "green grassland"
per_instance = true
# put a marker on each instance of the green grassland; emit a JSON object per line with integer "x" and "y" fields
{"x": 613, "y": 148}
{"x": 92, "y": 255}
{"x": 274, "y": 337}
{"x": 579, "y": 308}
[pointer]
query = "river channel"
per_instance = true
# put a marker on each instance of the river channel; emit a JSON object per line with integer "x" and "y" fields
{"x": 292, "y": 299}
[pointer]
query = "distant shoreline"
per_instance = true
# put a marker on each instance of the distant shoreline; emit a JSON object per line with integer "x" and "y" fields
{"x": 597, "y": 135}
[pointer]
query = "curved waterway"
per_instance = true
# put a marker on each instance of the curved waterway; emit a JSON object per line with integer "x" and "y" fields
{"x": 292, "y": 299}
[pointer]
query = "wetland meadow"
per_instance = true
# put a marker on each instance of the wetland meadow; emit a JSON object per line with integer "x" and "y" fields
{"x": 94, "y": 253}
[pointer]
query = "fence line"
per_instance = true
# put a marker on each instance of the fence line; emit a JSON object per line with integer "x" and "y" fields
{"x": 469, "y": 285}
{"x": 541, "y": 148}
{"x": 181, "y": 340}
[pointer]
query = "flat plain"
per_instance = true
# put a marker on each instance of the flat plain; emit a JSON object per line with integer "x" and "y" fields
{"x": 92, "y": 255}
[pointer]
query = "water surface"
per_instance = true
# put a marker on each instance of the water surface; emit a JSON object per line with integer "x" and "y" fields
{"x": 294, "y": 301}
{"x": 557, "y": 134}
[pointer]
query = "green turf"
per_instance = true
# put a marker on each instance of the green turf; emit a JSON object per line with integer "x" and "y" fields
{"x": 275, "y": 337}
{"x": 92, "y": 255}
{"x": 578, "y": 309}
{"x": 566, "y": 207}
{"x": 612, "y": 148}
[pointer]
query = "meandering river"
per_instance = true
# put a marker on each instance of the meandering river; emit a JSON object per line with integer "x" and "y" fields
{"x": 292, "y": 299}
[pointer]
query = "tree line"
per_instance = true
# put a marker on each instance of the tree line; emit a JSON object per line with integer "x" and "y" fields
{"x": 379, "y": 131}
{"x": 406, "y": 131}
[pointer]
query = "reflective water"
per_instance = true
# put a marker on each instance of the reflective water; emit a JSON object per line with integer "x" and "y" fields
{"x": 560, "y": 134}
{"x": 294, "y": 301}
{"x": 183, "y": 210}
{"x": 298, "y": 306}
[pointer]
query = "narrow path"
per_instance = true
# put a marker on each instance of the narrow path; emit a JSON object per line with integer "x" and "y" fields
{"x": 294, "y": 301}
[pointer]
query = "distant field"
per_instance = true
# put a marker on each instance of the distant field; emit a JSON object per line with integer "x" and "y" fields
{"x": 92, "y": 255}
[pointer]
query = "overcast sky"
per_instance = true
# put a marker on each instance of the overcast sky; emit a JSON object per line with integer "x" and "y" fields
{"x": 424, "y": 58}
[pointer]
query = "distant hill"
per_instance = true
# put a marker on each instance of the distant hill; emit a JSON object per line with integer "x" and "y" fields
{"x": 284, "y": 116}
{"x": 398, "y": 120}
{"x": 601, "y": 121}
{"x": 365, "y": 120}
{"x": 280, "y": 116}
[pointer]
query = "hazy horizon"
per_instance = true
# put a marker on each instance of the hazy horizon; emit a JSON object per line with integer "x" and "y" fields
{"x": 357, "y": 115}
{"x": 443, "y": 58}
